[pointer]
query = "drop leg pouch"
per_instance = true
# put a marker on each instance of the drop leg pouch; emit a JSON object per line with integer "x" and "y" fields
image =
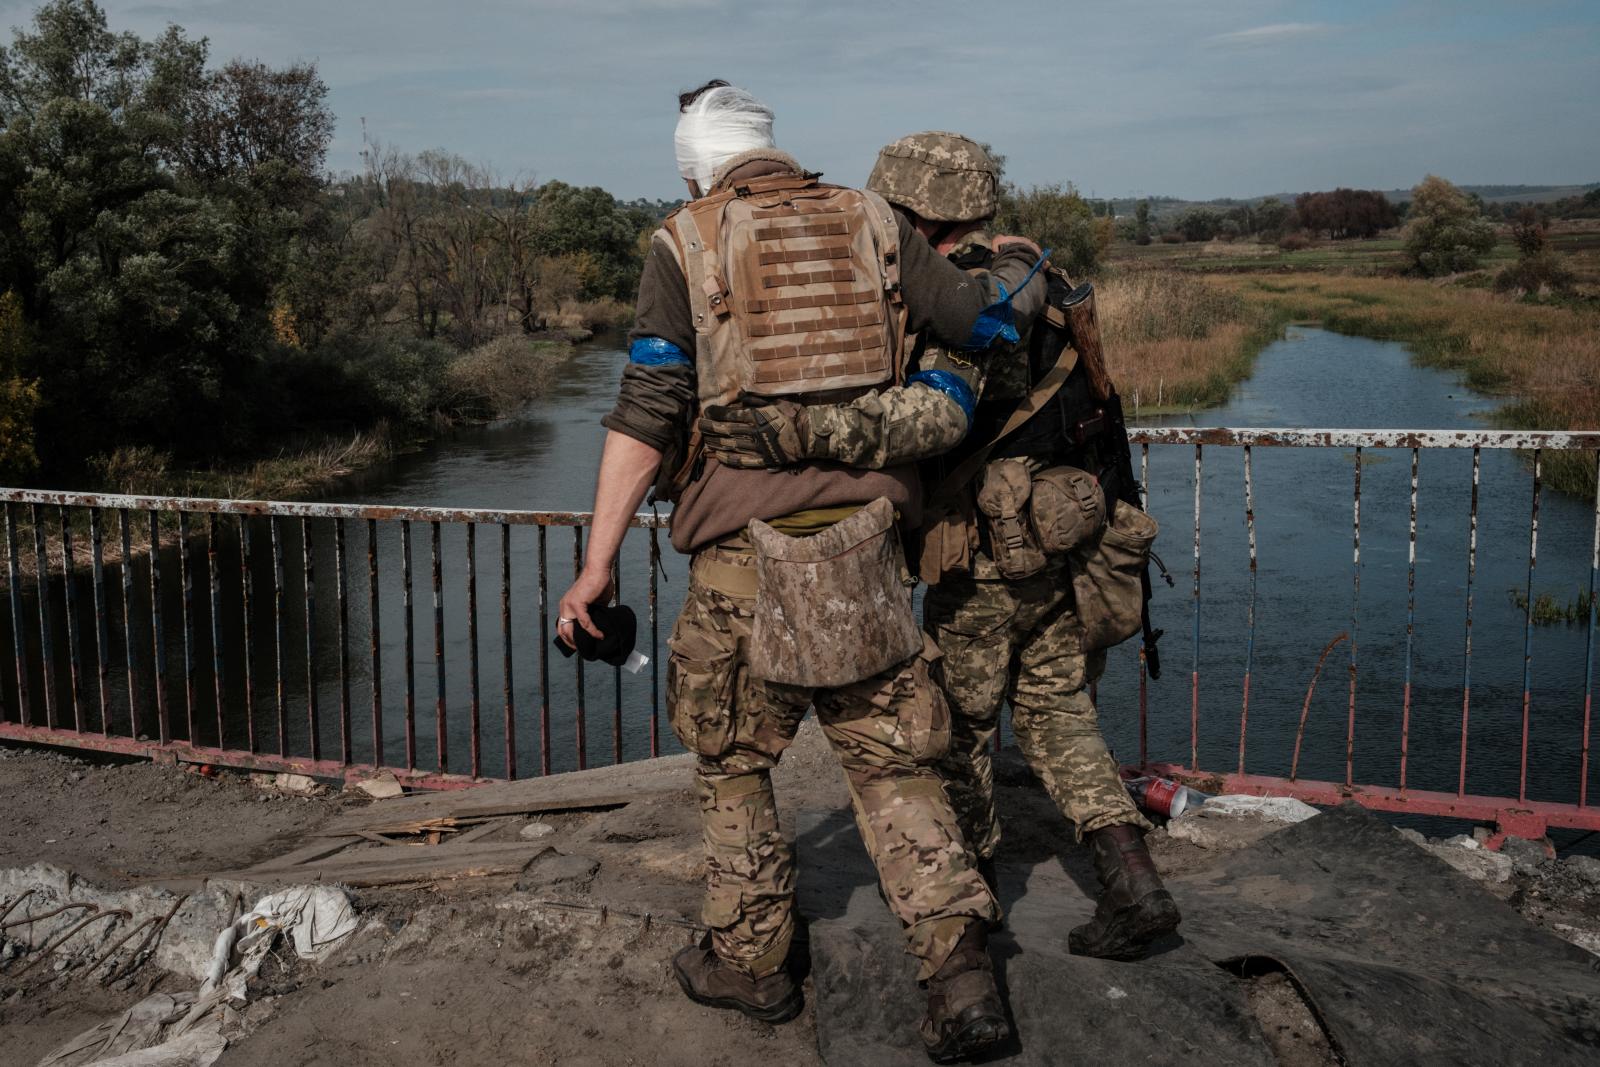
{"x": 1107, "y": 577}
{"x": 832, "y": 608}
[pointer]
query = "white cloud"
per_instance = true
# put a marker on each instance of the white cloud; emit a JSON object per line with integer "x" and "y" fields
{"x": 1271, "y": 34}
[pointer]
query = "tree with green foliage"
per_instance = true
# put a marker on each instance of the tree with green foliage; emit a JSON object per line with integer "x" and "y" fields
{"x": 1447, "y": 232}
{"x": 1199, "y": 224}
{"x": 1141, "y": 223}
{"x": 1060, "y": 220}
{"x": 147, "y": 277}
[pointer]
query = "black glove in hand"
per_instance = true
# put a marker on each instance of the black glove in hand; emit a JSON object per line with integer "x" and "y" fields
{"x": 755, "y": 432}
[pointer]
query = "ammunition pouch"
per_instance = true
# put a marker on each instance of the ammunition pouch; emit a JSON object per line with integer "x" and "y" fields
{"x": 948, "y": 539}
{"x": 1067, "y": 508}
{"x": 833, "y": 608}
{"x": 1003, "y": 503}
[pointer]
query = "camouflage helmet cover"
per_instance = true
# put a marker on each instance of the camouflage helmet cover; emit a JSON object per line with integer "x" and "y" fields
{"x": 943, "y": 177}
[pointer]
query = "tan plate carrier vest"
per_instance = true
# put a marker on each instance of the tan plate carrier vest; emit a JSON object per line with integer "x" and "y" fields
{"x": 794, "y": 287}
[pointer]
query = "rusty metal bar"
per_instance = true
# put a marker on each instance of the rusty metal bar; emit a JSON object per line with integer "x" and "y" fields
{"x": 1271, "y": 437}
{"x": 1466, "y": 659}
{"x": 505, "y": 651}
{"x": 544, "y": 656}
{"x": 1527, "y": 633}
{"x": 375, "y": 634}
{"x": 411, "y": 646}
{"x": 472, "y": 650}
{"x": 1250, "y": 609}
{"x": 290, "y": 509}
{"x": 217, "y": 676}
{"x": 655, "y": 677}
{"x": 246, "y": 590}
{"x": 278, "y": 636}
{"x": 438, "y": 655}
{"x": 308, "y": 561}
{"x": 102, "y": 631}
{"x": 1144, "y": 667}
{"x": 186, "y": 587}
{"x": 19, "y": 639}
{"x": 341, "y": 577}
{"x": 157, "y": 635}
{"x": 74, "y": 672}
{"x": 127, "y": 621}
{"x": 582, "y": 726}
{"x": 616, "y": 672}
{"x": 1355, "y": 617}
{"x": 1588, "y": 647}
{"x": 1410, "y": 626}
{"x": 46, "y": 639}
{"x": 1194, "y": 677}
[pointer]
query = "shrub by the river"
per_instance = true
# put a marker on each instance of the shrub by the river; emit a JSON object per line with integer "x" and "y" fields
{"x": 500, "y": 377}
{"x": 1174, "y": 340}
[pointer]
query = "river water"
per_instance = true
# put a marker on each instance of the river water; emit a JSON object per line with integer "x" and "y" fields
{"x": 546, "y": 459}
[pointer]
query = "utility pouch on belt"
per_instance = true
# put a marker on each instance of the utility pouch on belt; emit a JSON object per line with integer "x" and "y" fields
{"x": 1108, "y": 577}
{"x": 833, "y": 608}
{"x": 1003, "y": 502}
{"x": 1068, "y": 507}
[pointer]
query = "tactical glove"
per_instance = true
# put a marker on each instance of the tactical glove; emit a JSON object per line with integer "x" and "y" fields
{"x": 756, "y": 432}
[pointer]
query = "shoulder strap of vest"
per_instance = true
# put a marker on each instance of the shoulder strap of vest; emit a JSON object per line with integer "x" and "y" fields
{"x": 1038, "y": 397}
{"x": 888, "y": 232}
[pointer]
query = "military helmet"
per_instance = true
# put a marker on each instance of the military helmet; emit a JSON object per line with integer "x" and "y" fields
{"x": 943, "y": 177}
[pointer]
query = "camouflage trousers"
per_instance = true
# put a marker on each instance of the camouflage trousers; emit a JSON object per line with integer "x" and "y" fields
{"x": 886, "y": 732}
{"x": 1019, "y": 641}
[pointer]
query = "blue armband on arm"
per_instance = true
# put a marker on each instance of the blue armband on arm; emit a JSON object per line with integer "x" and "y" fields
{"x": 951, "y": 385}
{"x": 997, "y": 322}
{"x": 655, "y": 352}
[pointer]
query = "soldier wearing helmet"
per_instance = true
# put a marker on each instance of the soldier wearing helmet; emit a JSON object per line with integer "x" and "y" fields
{"x": 1005, "y": 638}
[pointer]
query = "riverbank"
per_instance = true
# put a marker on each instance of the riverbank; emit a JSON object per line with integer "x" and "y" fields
{"x": 1179, "y": 340}
{"x": 478, "y": 387}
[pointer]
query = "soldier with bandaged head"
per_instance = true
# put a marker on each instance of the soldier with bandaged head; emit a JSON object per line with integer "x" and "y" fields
{"x": 772, "y": 286}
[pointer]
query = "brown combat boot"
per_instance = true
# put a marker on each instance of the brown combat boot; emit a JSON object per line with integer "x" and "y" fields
{"x": 710, "y": 980}
{"x": 965, "y": 1016}
{"x": 1134, "y": 908}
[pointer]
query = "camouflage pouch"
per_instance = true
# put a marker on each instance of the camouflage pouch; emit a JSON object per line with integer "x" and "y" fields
{"x": 949, "y": 537}
{"x": 1003, "y": 502}
{"x": 1107, "y": 578}
{"x": 832, "y": 608}
{"x": 1067, "y": 508}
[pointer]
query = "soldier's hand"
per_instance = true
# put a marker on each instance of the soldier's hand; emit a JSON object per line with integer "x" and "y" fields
{"x": 999, "y": 244}
{"x": 756, "y": 432}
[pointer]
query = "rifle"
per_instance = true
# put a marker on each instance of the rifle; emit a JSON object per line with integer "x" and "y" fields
{"x": 1078, "y": 318}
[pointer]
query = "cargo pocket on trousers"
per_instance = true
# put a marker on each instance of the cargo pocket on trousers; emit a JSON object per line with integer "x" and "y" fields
{"x": 923, "y": 713}
{"x": 700, "y": 697}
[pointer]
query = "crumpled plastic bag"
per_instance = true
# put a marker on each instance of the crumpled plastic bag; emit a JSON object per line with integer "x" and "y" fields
{"x": 185, "y": 1029}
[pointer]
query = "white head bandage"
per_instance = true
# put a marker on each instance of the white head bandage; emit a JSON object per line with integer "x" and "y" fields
{"x": 721, "y": 123}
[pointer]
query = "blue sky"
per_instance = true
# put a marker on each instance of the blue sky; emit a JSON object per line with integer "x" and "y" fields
{"x": 1195, "y": 99}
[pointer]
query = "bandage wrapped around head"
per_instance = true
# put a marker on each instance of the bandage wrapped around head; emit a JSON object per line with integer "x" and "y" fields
{"x": 718, "y": 125}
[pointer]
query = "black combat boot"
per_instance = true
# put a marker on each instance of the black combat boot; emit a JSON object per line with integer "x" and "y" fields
{"x": 965, "y": 1016}
{"x": 1134, "y": 908}
{"x": 711, "y": 981}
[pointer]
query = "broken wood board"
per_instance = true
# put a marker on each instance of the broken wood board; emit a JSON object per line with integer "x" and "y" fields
{"x": 604, "y": 787}
{"x": 360, "y": 868}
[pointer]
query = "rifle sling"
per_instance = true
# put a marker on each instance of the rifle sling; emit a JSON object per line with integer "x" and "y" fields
{"x": 1037, "y": 398}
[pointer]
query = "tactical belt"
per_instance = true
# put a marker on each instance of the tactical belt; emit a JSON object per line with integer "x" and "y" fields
{"x": 729, "y": 579}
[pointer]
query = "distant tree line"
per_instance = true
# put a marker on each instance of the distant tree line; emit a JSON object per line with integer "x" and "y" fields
{"x": 177, "y": 271}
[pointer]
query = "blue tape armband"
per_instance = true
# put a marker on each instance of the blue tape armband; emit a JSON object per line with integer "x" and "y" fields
{"x": 997, "y": 322}
{"x": 951, "y": 385}
{"x": 655, "y": 352}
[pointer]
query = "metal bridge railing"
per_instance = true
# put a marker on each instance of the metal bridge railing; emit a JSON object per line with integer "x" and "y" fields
{"x": 263, "y": 672}
{"x": 1512, "y": 813}
{"x": 238, "y": 633}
